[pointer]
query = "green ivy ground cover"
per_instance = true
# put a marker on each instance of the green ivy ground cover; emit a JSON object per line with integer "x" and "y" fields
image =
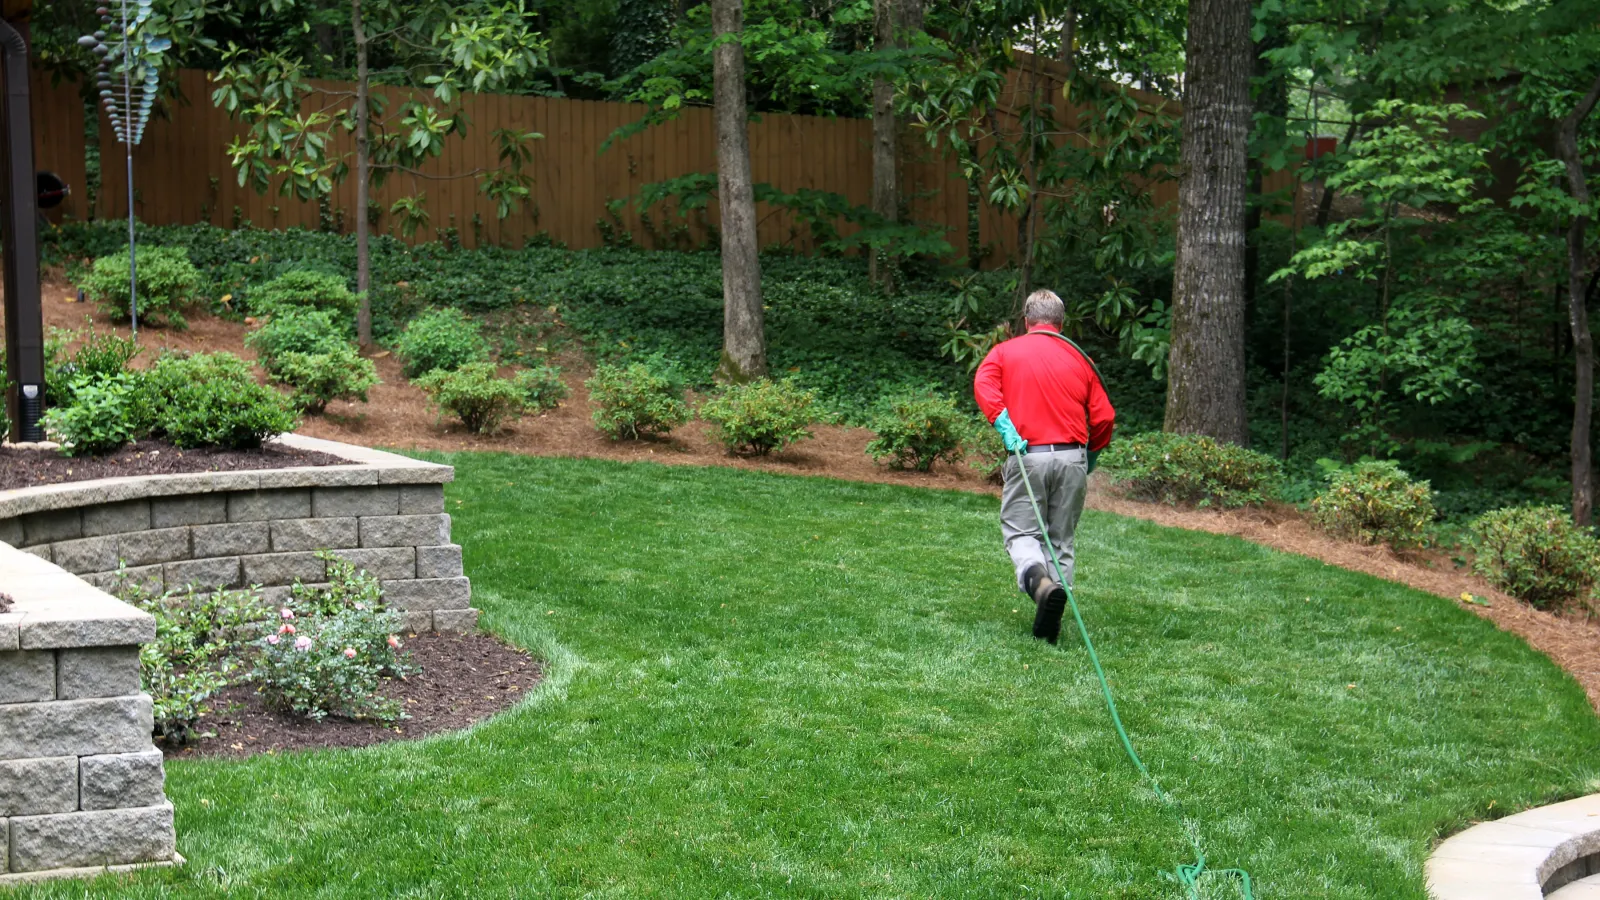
{"x": 776, "y": 686}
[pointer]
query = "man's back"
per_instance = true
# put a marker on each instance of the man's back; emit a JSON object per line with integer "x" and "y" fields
{"x": 1054, "y": 395}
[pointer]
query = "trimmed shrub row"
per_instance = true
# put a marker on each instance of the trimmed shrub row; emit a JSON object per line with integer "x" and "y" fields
{"x": 193, "y": 401}
{"x": 1533, "y": 553}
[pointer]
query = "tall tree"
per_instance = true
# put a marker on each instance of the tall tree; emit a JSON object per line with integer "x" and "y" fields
{"x": 1206, "y": 368}
{"x": 1577, "y": 299}
{"x": 744, "y": 338}
{"x": 885, "y": 180}
{"x": 439, "y": 46}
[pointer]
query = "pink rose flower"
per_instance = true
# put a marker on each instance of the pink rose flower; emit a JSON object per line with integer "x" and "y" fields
{"x": 349, "y": 653}
{"x": 394, "y": 642}
{"x": 286, "y": 629}
{"x": 361, "y": 606}
{"x": 272, "y": 639}
{"x": 302, "y": 644}
{"x": 286, "y": 612}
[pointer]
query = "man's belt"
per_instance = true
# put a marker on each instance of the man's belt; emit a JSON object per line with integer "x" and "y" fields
{"x": 1051, "y": 448}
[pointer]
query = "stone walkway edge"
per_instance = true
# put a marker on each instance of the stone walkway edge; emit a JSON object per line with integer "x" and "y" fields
{"x": 1544, "y": 852}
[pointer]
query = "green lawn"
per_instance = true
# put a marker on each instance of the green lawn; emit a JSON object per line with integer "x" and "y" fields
{"x": 769, "y": 686}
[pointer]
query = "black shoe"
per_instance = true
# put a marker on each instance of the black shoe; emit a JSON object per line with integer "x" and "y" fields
{"x": 1052, "y": 602}
{"x": 1031, "y": 580}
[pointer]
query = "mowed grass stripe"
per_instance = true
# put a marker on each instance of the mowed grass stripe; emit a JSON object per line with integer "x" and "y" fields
{"x": 792, "y": 687}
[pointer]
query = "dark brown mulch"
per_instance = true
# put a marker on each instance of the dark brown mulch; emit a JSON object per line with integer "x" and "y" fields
{"x": 465, "y": 678}
{"x": 21, "y": 467}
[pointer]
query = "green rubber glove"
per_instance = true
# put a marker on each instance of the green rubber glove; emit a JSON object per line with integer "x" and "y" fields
{"x": 1094, "y": 460}
{"x": 1008, "y": 433}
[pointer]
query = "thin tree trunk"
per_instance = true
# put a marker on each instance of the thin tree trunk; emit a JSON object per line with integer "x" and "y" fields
{"x": 363, "y": 177}
{"x": 1578, "y": 306}
{"x": 910, "y": 15}
{"x": 1028, "y": 221}
{"x": 1069, "y": 37}
{"x": 744, "y": 341}
{"x": 1325, "y": 202}
{"x": 1271, "y": 98}
{"x": 1206, "y": 372}
{"x": 885, "y": 181}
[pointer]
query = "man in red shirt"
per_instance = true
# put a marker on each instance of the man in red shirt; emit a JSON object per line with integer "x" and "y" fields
{"x": 1045, "y": 398}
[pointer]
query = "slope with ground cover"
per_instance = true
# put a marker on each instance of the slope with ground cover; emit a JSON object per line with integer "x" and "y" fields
{"x": 778, "y": 686}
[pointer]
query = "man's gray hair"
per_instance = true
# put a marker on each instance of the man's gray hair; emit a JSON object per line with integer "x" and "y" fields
{"x": 1044, "y": 306}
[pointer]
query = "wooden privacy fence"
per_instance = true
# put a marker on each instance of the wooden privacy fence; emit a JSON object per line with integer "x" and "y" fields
{"x": 183, "y": 175}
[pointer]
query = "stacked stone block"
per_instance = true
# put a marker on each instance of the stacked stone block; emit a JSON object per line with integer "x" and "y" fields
{"x": 225, "y": 533}
{"x": 81, "y": 784}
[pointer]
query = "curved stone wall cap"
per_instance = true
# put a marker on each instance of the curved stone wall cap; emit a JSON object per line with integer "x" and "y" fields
{"x": 367, "y": 466}
{"x": 53, "y": 609}
{"x": 1513, "y": 858}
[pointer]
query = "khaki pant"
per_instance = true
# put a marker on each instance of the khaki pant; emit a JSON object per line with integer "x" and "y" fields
{"x": 1059, "y": 480}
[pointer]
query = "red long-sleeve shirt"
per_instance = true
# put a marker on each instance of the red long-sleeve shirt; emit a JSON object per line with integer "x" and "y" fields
{"x": 1052, "y": 391}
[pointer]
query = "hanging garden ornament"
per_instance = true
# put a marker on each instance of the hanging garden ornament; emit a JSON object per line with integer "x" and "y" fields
{"x": 128, "y": 76}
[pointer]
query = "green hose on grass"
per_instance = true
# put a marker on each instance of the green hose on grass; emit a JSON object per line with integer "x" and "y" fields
{"x": 1186, "y": 874}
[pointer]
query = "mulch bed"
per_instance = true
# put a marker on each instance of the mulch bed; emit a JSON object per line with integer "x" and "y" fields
{"x": 27, "y": 467}
{"x": 465, "y": 678}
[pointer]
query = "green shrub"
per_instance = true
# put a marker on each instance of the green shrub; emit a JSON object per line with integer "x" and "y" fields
{"x": 761, "y": 416}
{"x": 475, "y": 394}
{"x": 441, "y": 339}
{"x": 296, "y": 330}
{"x": 635, "y": 401}
{"x": 1536, "y": 554}
{"x": 316, "y": 379}
{"x": 1176, "y": 468}
{"x": 211, "y": 400}
{"x": 304, "y": 288}
{"x": 108, "y": 413}
{"x": 331, "y": 649}
{"x": 200, "y": 635}
{"x": 1375, "y": 502}
{"x": 100, "y": 354}
{"x": 915, "y": 430}
{"x": 168, "y": 283}
{"x": 984, "y": 450}
{"x": 542, "y": 387}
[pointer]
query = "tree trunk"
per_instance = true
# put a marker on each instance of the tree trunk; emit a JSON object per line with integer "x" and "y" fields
{"x": 1028, "y": 218}
{"x": 744, "y": 340}
{"x": 363, "y": 186}
{"x": 1205, "y": 382}
{"x": 1069, "y": 40}
{"x": 910, "y": 15}
{"x": 1578, "y": 306}
{"x": 885, "y": 182}
{"x": 1270, "y": 99}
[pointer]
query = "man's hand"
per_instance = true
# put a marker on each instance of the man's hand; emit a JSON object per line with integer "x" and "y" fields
{"x": 1008, "y": 433}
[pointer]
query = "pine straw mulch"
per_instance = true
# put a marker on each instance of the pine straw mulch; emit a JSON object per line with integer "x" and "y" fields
{"x": 399, "y": 416}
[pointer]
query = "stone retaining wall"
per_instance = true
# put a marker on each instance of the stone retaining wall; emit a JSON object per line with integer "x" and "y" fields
{"x": 80, "y": 780}
{"x": 383, "y": 512}
{"x": 81, "y": 783}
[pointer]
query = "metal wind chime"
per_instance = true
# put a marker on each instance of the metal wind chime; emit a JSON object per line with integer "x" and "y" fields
{"x": 126, "y": 49}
